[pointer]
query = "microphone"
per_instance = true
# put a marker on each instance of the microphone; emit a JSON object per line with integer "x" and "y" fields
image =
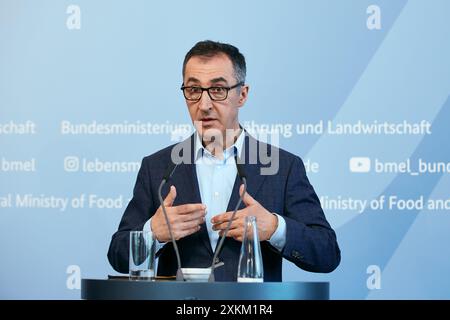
{"x": 167, "y": 175}
{"x": 243, "y": 177}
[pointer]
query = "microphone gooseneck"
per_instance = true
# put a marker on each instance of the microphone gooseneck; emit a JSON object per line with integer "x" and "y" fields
{"x": 166, "y": 177}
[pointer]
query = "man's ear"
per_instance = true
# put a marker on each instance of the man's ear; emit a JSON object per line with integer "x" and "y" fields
{"x": 243, "y": 95}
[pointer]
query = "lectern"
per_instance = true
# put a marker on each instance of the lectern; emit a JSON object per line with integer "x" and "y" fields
{"x": 123, "y": 289}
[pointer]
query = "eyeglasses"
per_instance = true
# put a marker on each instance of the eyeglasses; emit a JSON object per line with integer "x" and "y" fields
{"x": 194, "y": 93}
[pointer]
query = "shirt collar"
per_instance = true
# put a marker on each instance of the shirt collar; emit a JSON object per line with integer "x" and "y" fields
{"x": 236, "y": 147}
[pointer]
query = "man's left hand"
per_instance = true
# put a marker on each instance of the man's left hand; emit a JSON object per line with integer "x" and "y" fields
{"x": 267, "y": 222}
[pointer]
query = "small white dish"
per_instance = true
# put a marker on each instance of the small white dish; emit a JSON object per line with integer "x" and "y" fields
{"x": 196, "y": 274}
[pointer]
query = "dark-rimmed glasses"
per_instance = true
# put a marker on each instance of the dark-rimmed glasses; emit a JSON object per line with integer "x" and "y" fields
{"x": 216, "y": 93}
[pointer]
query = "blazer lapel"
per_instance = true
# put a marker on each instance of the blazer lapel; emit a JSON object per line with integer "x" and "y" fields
{"x": 254, "y": 181}
{"x": 252, "y": 170}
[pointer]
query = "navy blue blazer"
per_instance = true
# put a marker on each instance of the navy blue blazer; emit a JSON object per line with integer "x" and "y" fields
{"x": 310, "y": 241}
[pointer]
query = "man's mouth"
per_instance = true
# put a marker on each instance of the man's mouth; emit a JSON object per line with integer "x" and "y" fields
{"x": 207, "y": 120}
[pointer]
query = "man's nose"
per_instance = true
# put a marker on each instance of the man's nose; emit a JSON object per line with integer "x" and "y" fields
{"x": 205, "y": 102}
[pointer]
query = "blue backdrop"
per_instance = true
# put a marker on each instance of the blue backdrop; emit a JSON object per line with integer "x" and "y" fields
{"x": 359, "y": 89}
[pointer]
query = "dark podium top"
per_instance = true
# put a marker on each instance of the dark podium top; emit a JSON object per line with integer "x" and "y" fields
{"x": 96, "y": 289}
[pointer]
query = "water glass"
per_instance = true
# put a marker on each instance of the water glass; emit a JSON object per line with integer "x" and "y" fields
{"x": 142, "y": 255}
{"x": 250, "y": 268}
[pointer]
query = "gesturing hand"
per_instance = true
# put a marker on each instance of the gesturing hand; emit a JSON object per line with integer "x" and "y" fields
{"x": 184, "y": 219}
{"x": 267, "y": 222}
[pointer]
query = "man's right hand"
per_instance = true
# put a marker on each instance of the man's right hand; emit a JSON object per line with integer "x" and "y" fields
{"x": 184, "y": 219}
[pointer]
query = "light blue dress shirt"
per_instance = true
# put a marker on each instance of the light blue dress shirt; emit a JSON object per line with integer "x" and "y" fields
{"x": 216, "y": 180}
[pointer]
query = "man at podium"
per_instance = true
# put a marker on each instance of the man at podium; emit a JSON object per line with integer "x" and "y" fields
{"x": 205, "y": 187}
